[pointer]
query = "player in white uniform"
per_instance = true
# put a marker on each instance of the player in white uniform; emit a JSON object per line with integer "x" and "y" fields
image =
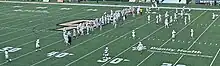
{"x": 147, "y": 10}
{"x": 138, "y": 10}
{"x": 111, "y": 12}
{"x": 37, "y": 45}
{"x": 213, "y": 16}
{"x": 64, "y": 32}
{"x": 74, "y": 33}
{"x": 114, "y": 22}
{"x": 181, "y": 13}
{"x": 100, "y": 26}
{"x": 124, "y": 17}
{"x": 175, "y": 17}
{"x": 160, "y": 18}
{"x": 106, "y": 54}
{"x": 132, "y": 11}
{"x": 189, "y": 17}
{"x": 185, "y": 21}
{"x": 133, "y": 34}
{"x": 66, "y": 39}
{"x": 140, "y": 46}
{"x": 157, "y": 19}
{"x": 148, "y": 17}
{"x": 7, "y": 56}
{"x": 191, "y": 33}
{"x": 87, "y": 27}
{"x": 176, "y": 10}
{"x": 166, "y": 23}
{"x": 173, "y": 35}
{"x": 171, "y": 19}
{"x": 166, "y": 14}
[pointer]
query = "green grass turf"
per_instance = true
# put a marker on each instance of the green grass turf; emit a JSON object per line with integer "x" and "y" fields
{"x": 89, "y": 48}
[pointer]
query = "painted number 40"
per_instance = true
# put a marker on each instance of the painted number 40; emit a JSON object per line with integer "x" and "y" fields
{"x": 10, "y": 49}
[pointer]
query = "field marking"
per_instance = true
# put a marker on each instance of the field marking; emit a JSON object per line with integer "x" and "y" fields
{"x": 103, "y": 46}
{"x": 85, "y": 41}
{"x": 34, "y": 50}
{"x": 134, "y": 44}
{"x": 214, "y": 57}
{"x": 37, "y": 15}
{"x": 29, "y": 33}
{"x": 15, "y": 16}
{"x": 80, "y": 43}
{"x": 196, "y": 40}
{"x": 43, "y": 30}
{"x": 171, "y": 38}
{"x": 41, "y": 23}
{"x": 55, "y": 10}
{"x": 15, "y": 38}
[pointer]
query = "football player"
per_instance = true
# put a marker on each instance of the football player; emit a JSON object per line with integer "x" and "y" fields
{"x": 166, "y": 23}
{"x": 7, "y": 56}
{"x": 133, "y": 34}
{"x": 173, "y": 35}
{"x": 191, "y": 33}
{"x": 37, "y": 45}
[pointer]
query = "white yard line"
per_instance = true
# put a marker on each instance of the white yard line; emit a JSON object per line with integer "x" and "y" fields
{"x": 171, "y": 38}
{"x": 23, "y": 15}
{"x": 196, "y": 40}
{"x": 79, "y": 4}
{"x": 80, "y": 44}
{"x": 134, "y": 44}
{"x": 29, "y": 33}
{"x": 103, "y": 45}
{"x": 34, "y": 50}
{"x": 214, "y": 58}
{"x": 40, "y": 23}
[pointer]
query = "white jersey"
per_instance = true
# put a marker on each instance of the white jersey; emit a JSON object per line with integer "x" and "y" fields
{"x": 6, "y": 54}
{"x": 171, "y": 19}
{"x": 68, "y": 33}
{"x": 213, "y": 15}
{"x": 176, "y": 10}
{"x": 37, "y": 43}
{"x": 138, "y": 10}
{"x": 173, "y": 32}
{"x": 66, "y": 38}
{"x": 74, "y": 32}
{"x": 111, "y": 13}
{"x": 140, "y": 46}
{"x": 148, "y": 17}
{"x": 189, "y": 17}
{"x": 160, "y": 18}
{"x": 106, "y": 50}
{"x": 191, "y": 32}
{"x": 166, "y": 14}
{"x": 166, "y": 21}
{"x": 157, "y": 17}
{"x": 175, "y": 16}
{"x": 133, "y": 33}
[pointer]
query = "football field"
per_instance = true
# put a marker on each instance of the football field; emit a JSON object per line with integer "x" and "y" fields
{"x": 21, "y": 24}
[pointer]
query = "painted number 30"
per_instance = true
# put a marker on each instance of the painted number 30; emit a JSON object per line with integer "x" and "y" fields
{"x": 116, "y": 60}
